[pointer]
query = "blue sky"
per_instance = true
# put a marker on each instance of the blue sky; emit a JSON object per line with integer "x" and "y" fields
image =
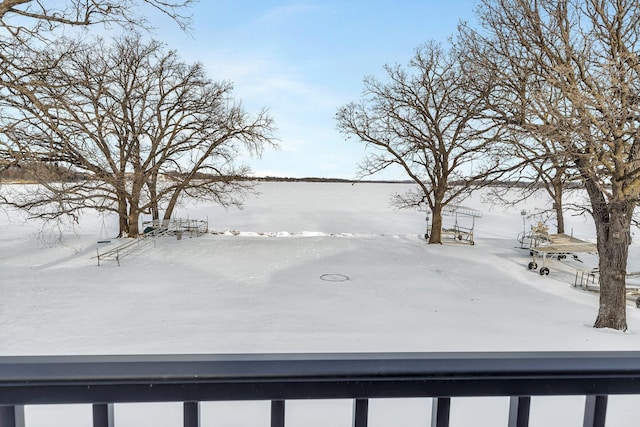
{"x": 302, "y": 60}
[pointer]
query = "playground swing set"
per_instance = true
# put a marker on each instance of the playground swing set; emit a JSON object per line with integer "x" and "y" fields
{"x": 103, "y": 238}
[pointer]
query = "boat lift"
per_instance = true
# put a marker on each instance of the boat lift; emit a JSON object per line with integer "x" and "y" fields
{"x": 559, "y": 246}
{"x": 543, "y": 245}
{"x": 457, "y": 232}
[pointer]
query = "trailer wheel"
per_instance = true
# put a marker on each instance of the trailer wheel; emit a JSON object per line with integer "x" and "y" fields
{"x": 638, "y": 302}
{"x": 426, "y": 236}
{"x": 533, "y": 265}
{"x": 544, "y": 271}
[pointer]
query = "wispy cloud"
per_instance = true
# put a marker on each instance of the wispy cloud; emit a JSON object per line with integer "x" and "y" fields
{"x": 303, "y": 59}
{"x": 273, "y": 80}
{"x": 286, "y": 13}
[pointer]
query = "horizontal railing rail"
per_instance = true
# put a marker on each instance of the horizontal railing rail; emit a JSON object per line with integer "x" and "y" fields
{"x": 106, "y": 380}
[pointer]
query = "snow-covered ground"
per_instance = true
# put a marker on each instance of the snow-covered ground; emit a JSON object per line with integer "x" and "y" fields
{"x": 259, "y": 285}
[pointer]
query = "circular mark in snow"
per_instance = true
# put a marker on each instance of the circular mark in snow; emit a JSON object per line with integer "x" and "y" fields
{"x": 334, "y": 277}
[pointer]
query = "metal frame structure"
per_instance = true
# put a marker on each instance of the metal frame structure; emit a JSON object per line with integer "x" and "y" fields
{"x": 557, "y": 246}
{"x": 456, "y": 232}
{"x": 590, "y": 281}
{"x": 107, "y": 380}
{"x": 177, "y": 226}
{"x": 174, "y": 227}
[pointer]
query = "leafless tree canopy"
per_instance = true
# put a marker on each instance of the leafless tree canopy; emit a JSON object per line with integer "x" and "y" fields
{"x": 141, "y": 127}
{"x": 127, "y": 128}
{"x": 20, "y": 18}
{"x": 29, "y": 25}
{"x": 573, "y": 69}
{"x": 430, "y": 119}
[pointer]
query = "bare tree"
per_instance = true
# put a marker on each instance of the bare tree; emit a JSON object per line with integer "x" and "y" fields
{"x": 516, "y": 106}
{"x": 30, "y": 25}
{"x": 586, "y": 51}
{"x": 543, "y": 167}
{"x": 23, "y": 18}
{"x": 144, "y": 129}
{"x": 429, "y": 120}
{"x": 553, "y": 173}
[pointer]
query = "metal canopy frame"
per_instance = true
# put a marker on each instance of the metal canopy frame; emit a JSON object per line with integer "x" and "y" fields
{"x": 457, "y": 232}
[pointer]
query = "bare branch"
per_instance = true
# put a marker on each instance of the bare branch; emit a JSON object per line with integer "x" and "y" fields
{"x": 430, "y": 119}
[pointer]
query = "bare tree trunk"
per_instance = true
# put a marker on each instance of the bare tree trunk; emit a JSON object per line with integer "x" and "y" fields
{"x": 123, "y": 220}
{"x": 613, "y": 266}
{"x": 436, "y": 224}
{"x": 559, "y": 217}
{"x": 613, "y": 228}
{"x": 170, "y": 206}
{"x": 134, "y": 217}
{"x": 557, "y": 206}
{"x": 153, "y": 196}
{"x": 134, "y": 204}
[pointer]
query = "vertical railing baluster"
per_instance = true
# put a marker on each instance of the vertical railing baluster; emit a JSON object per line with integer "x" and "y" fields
{"x": 519, "y": 408}
{"x": 595, "y": 411}
{"x": 191, "y": 414}
{"x": 12, "y": 416}
{"x": 440, "y": 411}
{"x": 360, "y": 412}
{"x": 277, "y": 413}
{"x": 103, "y": 415}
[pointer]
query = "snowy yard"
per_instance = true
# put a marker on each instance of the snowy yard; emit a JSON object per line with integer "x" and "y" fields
{"x": 263, "y": 288}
